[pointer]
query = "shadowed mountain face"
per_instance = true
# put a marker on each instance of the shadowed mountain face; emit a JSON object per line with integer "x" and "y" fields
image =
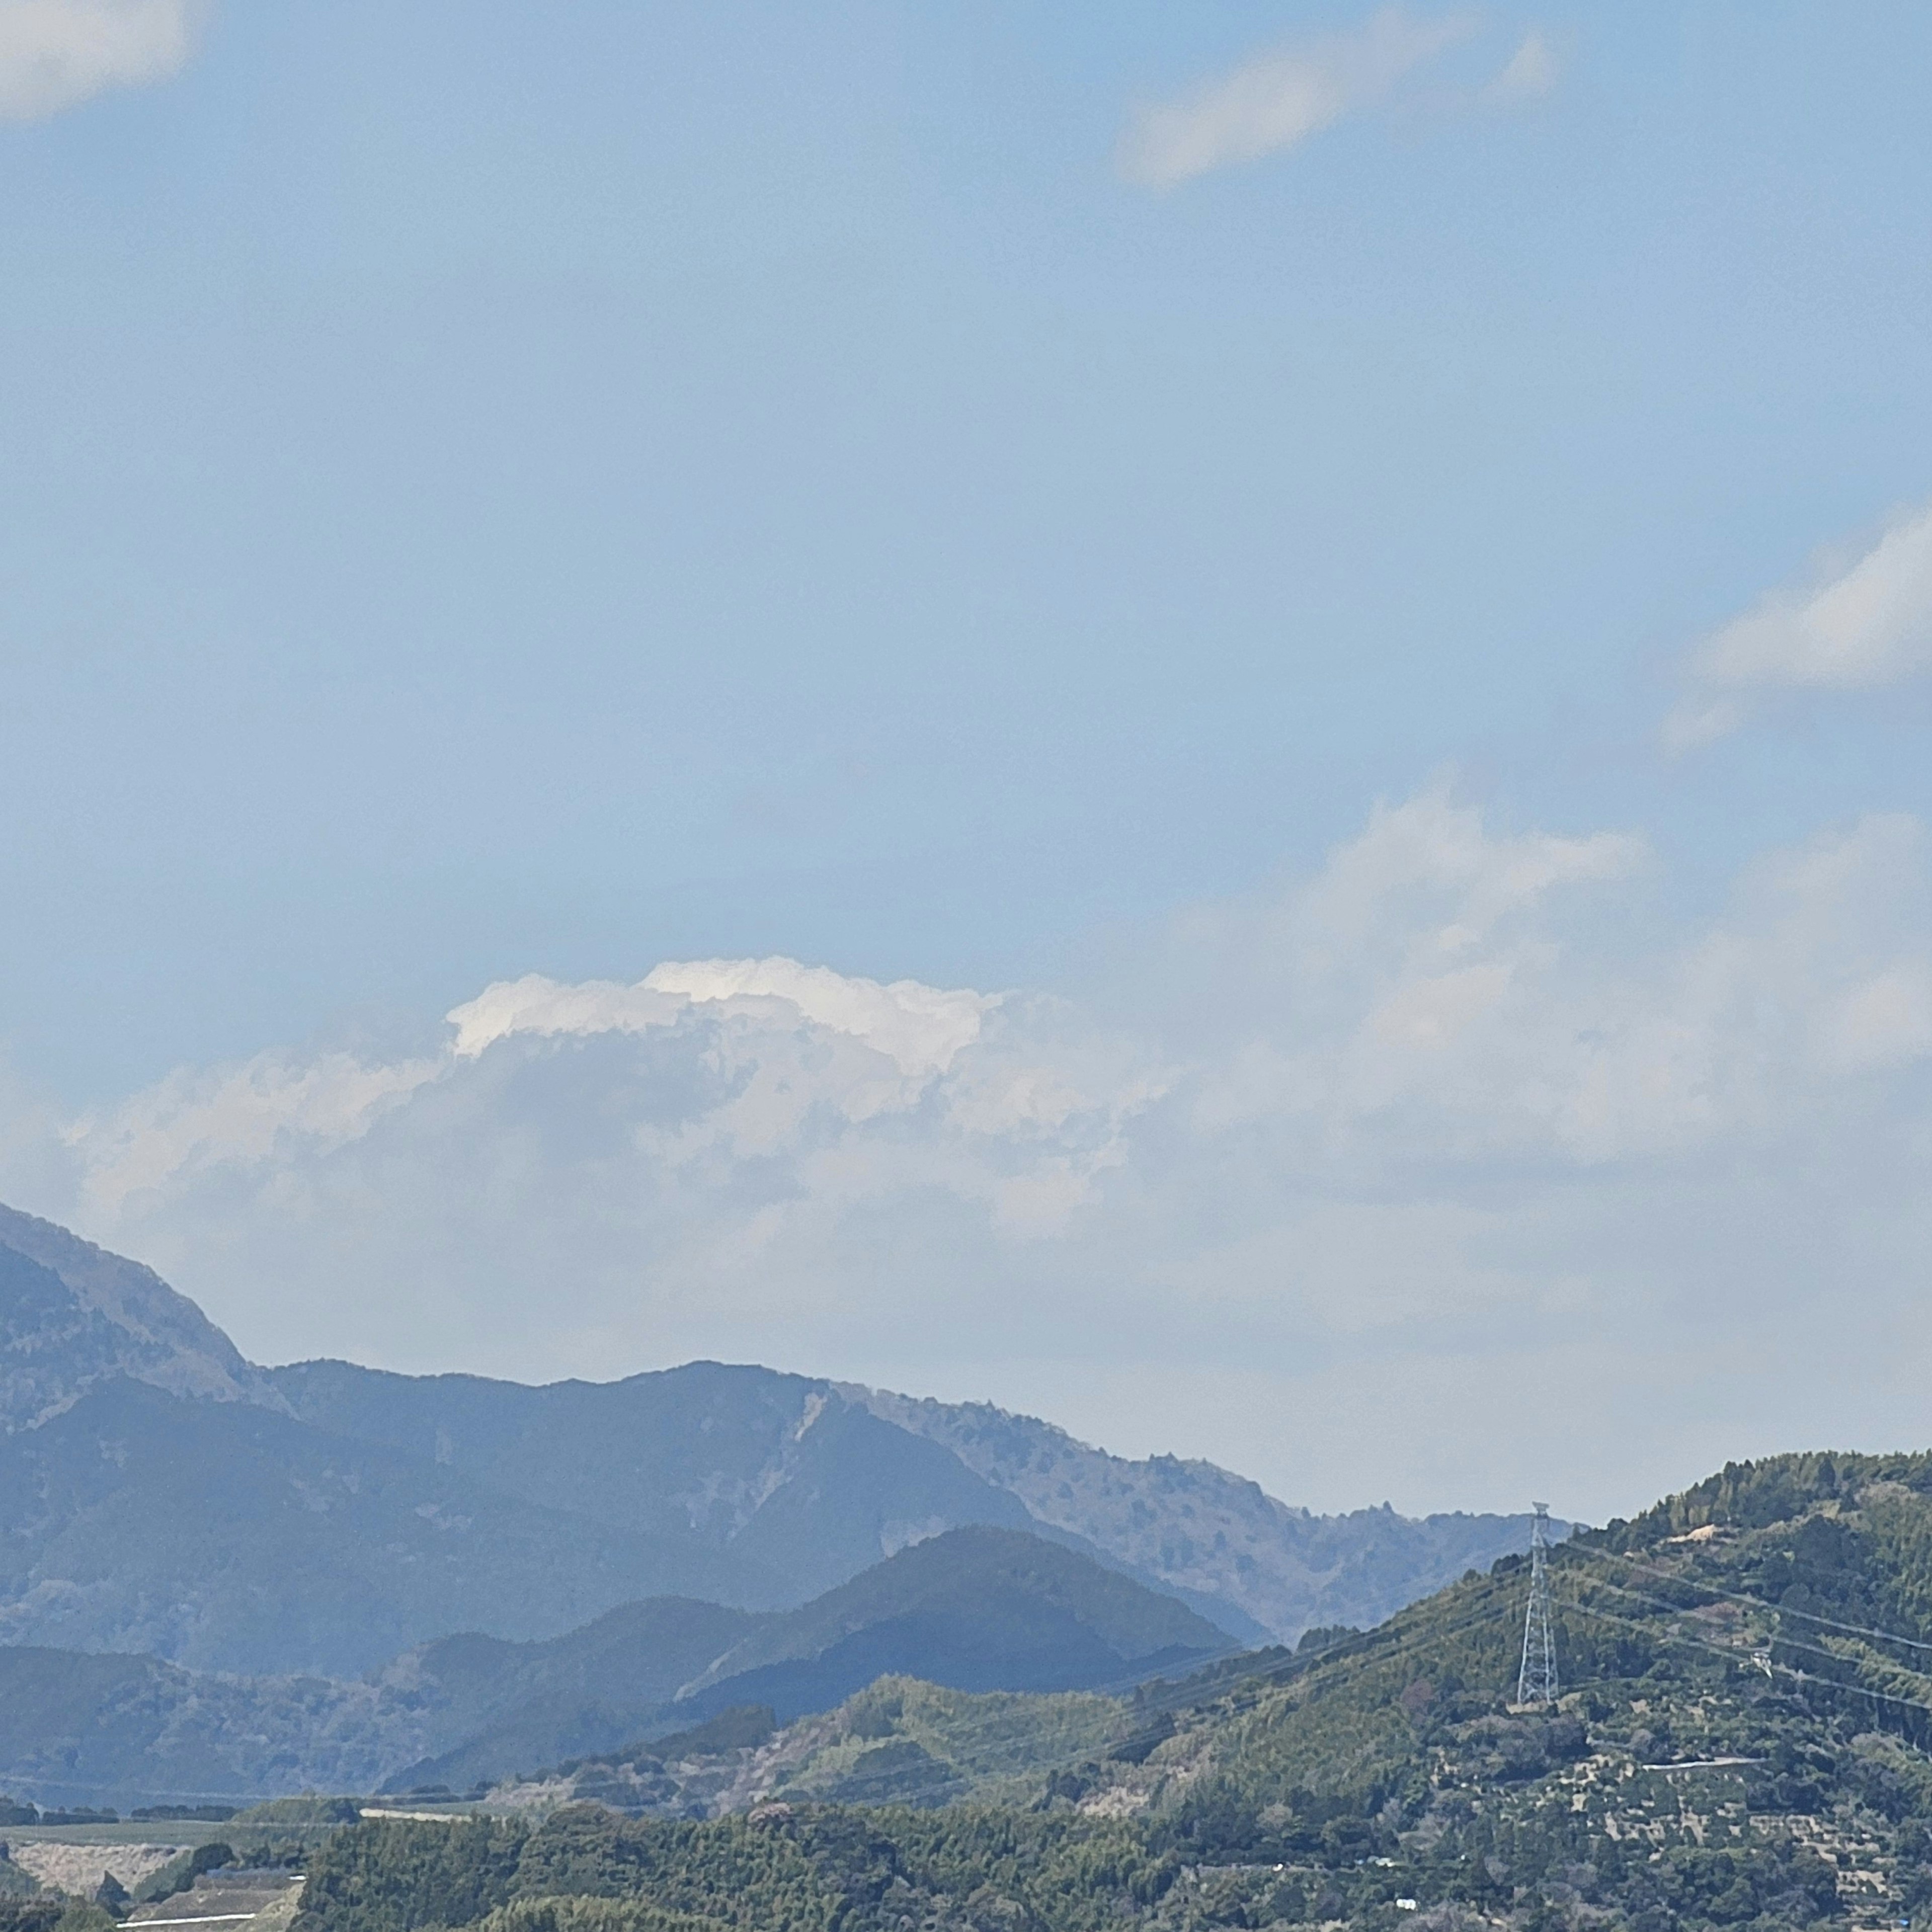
{"x": 779, "y": 1469}
{"x": 157, "y": 1492}
{"x": 227, "y": 1537}
{"x": 976, "y": 1608}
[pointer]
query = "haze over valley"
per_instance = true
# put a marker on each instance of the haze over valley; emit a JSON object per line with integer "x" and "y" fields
{"x": 401, "y": 1568}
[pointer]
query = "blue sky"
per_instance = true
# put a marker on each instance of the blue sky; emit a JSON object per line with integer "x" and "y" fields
{"x": 1026, "y": 500}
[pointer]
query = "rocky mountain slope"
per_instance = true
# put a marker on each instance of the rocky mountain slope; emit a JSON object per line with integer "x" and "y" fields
{"x": 71, "y": 1314}
{"x": 1198, "y": 1529}
{"x": 777, "y": 1471}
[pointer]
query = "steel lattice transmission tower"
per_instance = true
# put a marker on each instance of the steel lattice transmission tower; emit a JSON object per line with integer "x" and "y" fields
{"x": 1538, "y": 1683}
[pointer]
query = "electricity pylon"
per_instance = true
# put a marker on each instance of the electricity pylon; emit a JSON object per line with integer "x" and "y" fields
{"x": 1537, "y": 1684}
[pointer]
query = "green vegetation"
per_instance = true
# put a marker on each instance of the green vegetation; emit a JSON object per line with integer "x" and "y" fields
{"x": 905, "y": 1742}
{"x": 308, "y": 1809}
{"x": 52, "y": 1912}
{"x": 1742, "y": 1742}
{"x": 579, "y": 1914}
{"x": 779, "y": 1869}
{"x": 899, "y": 1741}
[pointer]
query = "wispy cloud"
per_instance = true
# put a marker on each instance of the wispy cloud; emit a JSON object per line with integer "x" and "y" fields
{"x": 1532, "y": 71}
{"x": 1859, "y": 626}
{"x": 54, "y": 54}
{"x": 1280, "y": 98}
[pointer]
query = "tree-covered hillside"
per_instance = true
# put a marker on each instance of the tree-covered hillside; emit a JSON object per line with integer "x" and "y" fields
{"x": 1740, "y": 1741}
{"x": 973, "y": 1609}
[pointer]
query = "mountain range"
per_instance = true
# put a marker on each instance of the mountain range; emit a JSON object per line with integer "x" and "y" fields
{"x": 897, "y": 1604}
{"x": 362, "y": 1576}
{"x": 159, "y": 1493}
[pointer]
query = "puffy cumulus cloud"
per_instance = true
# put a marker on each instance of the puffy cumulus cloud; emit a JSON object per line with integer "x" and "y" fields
{"x": 920, "y": 1028}
{"x": 1323, "y": 1183}
{"x": 1861, "y": 626}
{"x": 1278, "y": 100}
{"x": 710, "y": 1146}
{"x": 1442, "y": 991}
{"x": 54, "y": 54}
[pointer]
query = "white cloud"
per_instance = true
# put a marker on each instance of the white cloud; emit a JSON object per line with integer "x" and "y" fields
{"x": 1861, "y": 626}
{"x": 1463, "y": 1106}
{"x": 276, "y": 1107}
{"x": 54, "y": 54}
{"x": 1532, "y": 71}
{"x": 921, "y": 1028}
{"x": 1278, "y": 100}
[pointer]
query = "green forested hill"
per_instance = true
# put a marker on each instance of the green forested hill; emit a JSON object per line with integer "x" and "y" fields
{"x": 977, "y": 1609}
{"x": 1740, "y": 1741}
{"x": 1749, "y": 1675}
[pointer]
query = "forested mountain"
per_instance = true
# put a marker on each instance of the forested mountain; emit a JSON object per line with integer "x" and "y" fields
{"x": 229, "y": 1537}
{"x": 1742, "y": 1741}
{"x": 239, "y": 1533}
{"x": 973, "y": 1609}
{"x": 976, "y": 1608}
{"x": 776, "y": 1473}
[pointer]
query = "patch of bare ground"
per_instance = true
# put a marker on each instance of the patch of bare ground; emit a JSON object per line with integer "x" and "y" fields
{"x": 78, "y": 1869}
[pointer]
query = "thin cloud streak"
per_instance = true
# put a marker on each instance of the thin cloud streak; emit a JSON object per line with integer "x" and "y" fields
{"x": 1533, "y": 71}
{"x": 1276, "y": 101}
{"x": 1863, "y": 626}
{"x": 56, "y": 54}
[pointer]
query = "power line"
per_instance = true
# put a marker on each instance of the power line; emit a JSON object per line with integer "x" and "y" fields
{"x": 1766, "y": 1664}
{"x": 1786, "y": 1642}
{"x": 1756, "y": 1603}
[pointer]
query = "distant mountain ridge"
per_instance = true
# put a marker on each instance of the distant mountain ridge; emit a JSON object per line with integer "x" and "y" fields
{"x": 778, "y": 1472}
{"x": 973, "y": 1609}
{"x": 158, "y": 1492}
{"x": 226, "y": 1536}
{"x": 72, "y": 1314}
{"x": 1203, "y": 1531}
